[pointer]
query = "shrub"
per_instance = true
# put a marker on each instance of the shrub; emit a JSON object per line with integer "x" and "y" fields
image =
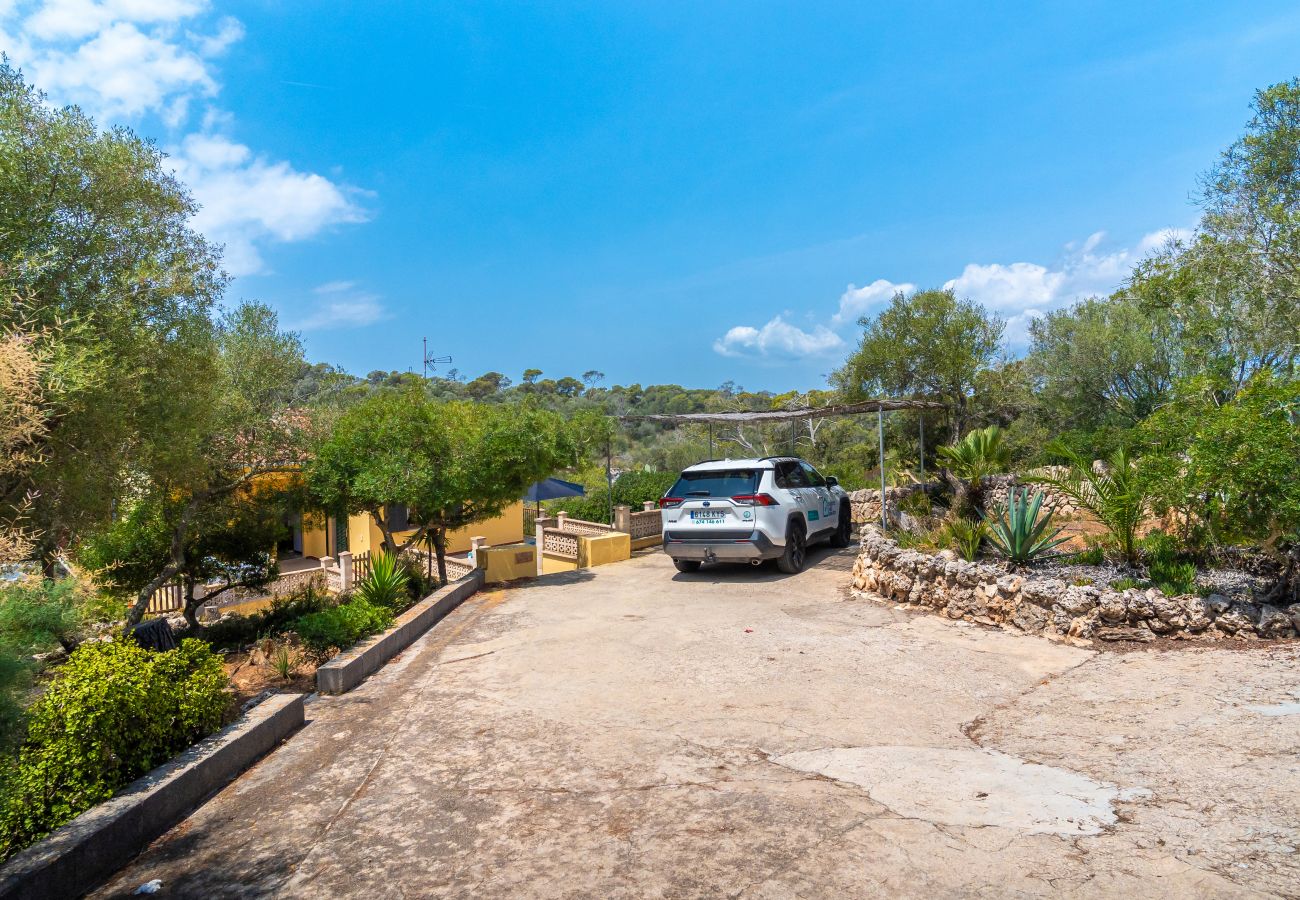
{"x": 917, "y": 503}
{"x": 1168, "y": 569}
{"x": 964, "y": 536}
{"x": 37, "y": 615}
{"x": 1019, "y": 534}
{"x": 1092, "y": 555}
{"x": 1123, "y": 584}
{"x": 630, "y": 489}
{"x": 1174, "y": 577}
{"x": 916, "y": 540}
{"x": 1082, "y": 582}
{"x": 279, "y": 617}
{"x": 385, "y": 586}
{"x": 112, "y": 712}
{"x": 285, "y": 660}
{"x": 1227, "y": 469}
{"x": 341, "y": 626}
{"x": 1115, "y": 495}
{"x": 979, "y": 454}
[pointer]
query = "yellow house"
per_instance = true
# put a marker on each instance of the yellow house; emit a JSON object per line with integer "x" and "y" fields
{"x": 315, "y": 535}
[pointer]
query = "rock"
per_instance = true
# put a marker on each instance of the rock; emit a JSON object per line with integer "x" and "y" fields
{"x": 1217, "y": 605}
{"x": 1167, "y": 610}
{"x": 1141, "y": 605}
{"x": 1273, "y": 623}
{"x": 1293, "y": 613}
{"x": 1045, "y": 592}
{"x": 1079, "y": 599}
{"x": 1239, "y": 619}
{"x": 1198, "y": 613}
{"x": 1083, "y": 627}
{"x": 1120, "y": 633}
{"x": 1112, "y": 607}
{"x": 1029, "y": 617}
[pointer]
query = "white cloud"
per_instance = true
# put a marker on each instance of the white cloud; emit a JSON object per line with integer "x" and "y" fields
{"x": 1019, "y": 292}
{"x": 778, "y": 338}
{"x": 119, "y": 58}
{"x": 1158, "y": 240}
{"x": 340, "y": 304}
{"x": 1021, "y": 288}
{"x": 857, "y": 301}
{"x": 247, "y": 200}
{"x": 124, "y": 59}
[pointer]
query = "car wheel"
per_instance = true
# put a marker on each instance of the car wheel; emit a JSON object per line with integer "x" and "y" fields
{"x": 687, "y": 565}
{"x": 843, "y": 535}
{"x": 796, "y": 549}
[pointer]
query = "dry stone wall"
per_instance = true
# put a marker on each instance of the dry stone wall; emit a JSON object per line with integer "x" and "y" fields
{"x": 996, "y": 488}
{"x": 979, "y": 592}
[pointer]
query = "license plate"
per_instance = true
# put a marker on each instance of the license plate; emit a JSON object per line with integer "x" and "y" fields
{"x": 708, "y": 515}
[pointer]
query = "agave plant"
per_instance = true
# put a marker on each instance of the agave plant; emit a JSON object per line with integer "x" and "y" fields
{"x": 385, "y": 586}
{"x": 1019, "y": 534}
{"x": 1114, "y": 494}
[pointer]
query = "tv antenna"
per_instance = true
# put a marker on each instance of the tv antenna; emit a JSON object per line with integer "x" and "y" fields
{"x": 431, "y": 363}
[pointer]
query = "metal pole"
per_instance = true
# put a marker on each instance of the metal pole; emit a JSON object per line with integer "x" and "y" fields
{"x": 794, "y": 430}
{"x": 880, "y": 430}
{"x": 710, "y": 440}
{"x": 609, "y": 482}
{"x": 921, "y": 418}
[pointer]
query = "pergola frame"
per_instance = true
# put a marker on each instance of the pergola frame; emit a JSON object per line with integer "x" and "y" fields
{"x": 878, "y": 406}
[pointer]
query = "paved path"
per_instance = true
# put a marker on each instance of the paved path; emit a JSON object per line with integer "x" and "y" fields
{"x": 628, "y": 732}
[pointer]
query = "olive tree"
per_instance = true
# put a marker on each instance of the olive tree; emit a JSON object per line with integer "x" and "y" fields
{"x": 450, "y": 463}
{"x": 928, "y": 342}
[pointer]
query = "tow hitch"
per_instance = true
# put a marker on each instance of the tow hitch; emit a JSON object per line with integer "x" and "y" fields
{"x": 709, "y": 555}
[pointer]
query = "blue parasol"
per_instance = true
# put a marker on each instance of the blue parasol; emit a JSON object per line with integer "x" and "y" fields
{"x": 553, "y": 489}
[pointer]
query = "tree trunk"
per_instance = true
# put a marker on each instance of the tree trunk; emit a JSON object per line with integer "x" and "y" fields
{"x": 440, "y": 547}
{"x": 963, "y": 503}
{"x": 191, "y": 610}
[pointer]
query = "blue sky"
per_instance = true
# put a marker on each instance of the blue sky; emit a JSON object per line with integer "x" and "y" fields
{"x": 683, "y": 193}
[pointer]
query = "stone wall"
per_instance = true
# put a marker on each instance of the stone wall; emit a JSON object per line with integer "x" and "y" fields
{"x": 997, "y": 488}
{"x": 980, "y": 592}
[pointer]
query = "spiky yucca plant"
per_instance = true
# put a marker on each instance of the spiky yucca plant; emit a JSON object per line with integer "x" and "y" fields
{"x": 1018, "y": 533}
{"x": 385, "y": 586}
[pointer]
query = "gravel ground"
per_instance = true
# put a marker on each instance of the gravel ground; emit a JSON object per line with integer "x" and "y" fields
{"x": 1232, "y": 583}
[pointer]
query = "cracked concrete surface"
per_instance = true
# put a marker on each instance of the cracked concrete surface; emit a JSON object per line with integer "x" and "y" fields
{"x": 628, "y": 731}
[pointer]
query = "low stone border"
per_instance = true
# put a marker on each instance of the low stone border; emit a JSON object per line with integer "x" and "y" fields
{"x": 351, "y": 667}
{"x": 1048, "y": 606}
{"x": 82, "y": 854}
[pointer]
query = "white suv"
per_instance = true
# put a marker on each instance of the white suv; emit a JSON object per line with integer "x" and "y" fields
{"x": 749, "y": 510}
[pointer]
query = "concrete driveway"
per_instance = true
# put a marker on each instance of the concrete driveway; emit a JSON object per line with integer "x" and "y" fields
{"x": 628, "y": 731}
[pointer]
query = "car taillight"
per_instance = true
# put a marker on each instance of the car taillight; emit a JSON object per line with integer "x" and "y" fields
{"x": 669, "y": 502}
{"x": 755, "y": 500}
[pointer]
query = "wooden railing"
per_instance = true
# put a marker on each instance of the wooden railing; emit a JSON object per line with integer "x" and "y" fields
{"x": 361, "y": 565}
{"x": 168, "y": 598}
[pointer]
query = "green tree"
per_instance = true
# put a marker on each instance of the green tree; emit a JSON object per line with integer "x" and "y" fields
{"x": 927, "y": 343}
{"x": 1102, "y": 361}
{"x": 1228, "y": 470}
{"x": 94, "y": 235}
{"x": 449, "y": 463}
{"x": 238, "y": 432}
{"x": 229, "y": 543}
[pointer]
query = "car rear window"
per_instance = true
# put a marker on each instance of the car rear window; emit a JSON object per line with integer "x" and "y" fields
{"x": 716, "y": 483}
